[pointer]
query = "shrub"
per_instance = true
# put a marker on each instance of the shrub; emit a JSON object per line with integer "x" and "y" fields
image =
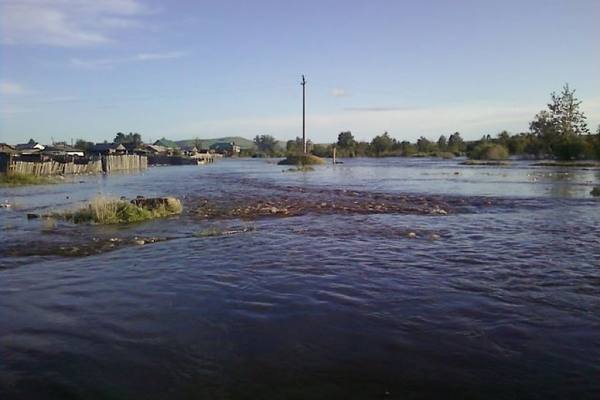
{"x": 301, "y": 159}
{"x": 595, "y": 191}
{"x": 489, "y": 151}
{"x": 572, "y": 148}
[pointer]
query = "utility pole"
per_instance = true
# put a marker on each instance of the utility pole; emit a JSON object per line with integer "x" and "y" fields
{"x": 303, "y": 113}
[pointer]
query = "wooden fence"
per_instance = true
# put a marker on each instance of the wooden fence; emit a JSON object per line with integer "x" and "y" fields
{"x": 124, "y": 163}
{"x": 14, "y": 165}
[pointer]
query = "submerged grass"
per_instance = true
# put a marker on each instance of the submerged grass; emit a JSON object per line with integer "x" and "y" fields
{"x": 485, "y": 162}
{"x": 577, "y": 164}
{"x": 301, "y": 168}
{"x": 106, "y": 211}
{"x": 301, "y": 159}
{"x": 24, "y": 179}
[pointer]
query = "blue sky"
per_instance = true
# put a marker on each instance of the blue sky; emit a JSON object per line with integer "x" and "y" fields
{"x": 183, "y": 69}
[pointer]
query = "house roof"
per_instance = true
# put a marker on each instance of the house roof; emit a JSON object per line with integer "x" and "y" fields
{"x": 6, "y": 148}
{"x": 157, "y": 148}
{"x": 62, "y": 148}
{"x": 100, "y": 147}
{"x": 29, "y": 146}
{"x": 166, "y": 143}
{"x": 189, "y": 148}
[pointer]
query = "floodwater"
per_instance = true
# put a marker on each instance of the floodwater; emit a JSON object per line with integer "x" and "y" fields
{"x": 500, "y": 298}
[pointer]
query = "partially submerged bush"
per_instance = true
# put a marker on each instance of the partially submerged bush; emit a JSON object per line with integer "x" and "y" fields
{"x": 489, "y": 151}
{"x": 301, "y": 159}
{"x": 102, "y": 210}
{"x": 595, "y": 191}
{"x": 24, "y": 179}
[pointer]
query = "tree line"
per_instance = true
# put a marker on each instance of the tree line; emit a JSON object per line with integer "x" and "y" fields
{"x": 560, "y": 132}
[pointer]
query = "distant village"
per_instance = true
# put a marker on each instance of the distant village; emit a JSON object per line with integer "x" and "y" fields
{"x": 162, "y": 147}
{"x": 126, "y": 152}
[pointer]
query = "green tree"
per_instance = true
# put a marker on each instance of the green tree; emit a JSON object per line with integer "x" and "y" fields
{"x": 132, "y": 139}
{"x": 558, "y": 127}
{"x": 84, "y": 145}
{"x": 297, "y": 146}
{"x": 442, "y": 143}
{"x": 424, "y": 145}
{"x": 265, "y": 144}
{"x": 382, "y": 143}
{"x": 346, "y": 143}
{"x": 455, "y": 143}
{"x": 504, "y": 138}
{"x": 407, "y": 148}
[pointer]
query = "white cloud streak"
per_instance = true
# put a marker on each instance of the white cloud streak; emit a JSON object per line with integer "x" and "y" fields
{"x": 66, "y": 23}
{"x": 339, "y": 92}
{"x": 11, "y": 88}
{"x": 159, "y": 56}
{"x": 109, "y": 63}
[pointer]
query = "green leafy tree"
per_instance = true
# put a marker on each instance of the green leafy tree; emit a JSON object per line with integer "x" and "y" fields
{"x": 557, "y": 127}
{"x": 132, "y": 139}
{"x": 424, "y": 145}
{"x": 504, "y": 138}
{"x": 382, "y": 143}
{"x": 407, "y": 148}
{"x": 297, "y": 146}
{"x": 442, "y": 143}
{"x": 265, "y": 144}
{"x": 346, "y": 144}
{"x": 456, "y": 144}
{"x": 84, "y": 145}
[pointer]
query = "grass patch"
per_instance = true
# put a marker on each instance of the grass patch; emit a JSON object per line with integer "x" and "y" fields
{"x": 301, "y": 159}
{"x": 106, "y": 211}
{"x": 485, "y": 162}
{"x": 595, "y": 191}
{"x": 24, "y": 179}
{"x": 576, "y": 164}
{"x": 301, "y": 168}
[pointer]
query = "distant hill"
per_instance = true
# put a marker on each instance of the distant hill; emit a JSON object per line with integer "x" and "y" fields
{"x": 206, "y": 143}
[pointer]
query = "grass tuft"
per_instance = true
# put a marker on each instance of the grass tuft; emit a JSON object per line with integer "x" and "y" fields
{"x": 106, "y": 211}
{"x": 301, "y": 168}
{"x": 301, "y": 159}
{"x": 24, "y": 179}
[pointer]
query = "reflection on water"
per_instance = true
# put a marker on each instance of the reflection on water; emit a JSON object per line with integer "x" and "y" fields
{"x": 503, "y": 304}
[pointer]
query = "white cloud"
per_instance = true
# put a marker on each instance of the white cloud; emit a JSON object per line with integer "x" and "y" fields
{"x": 11, "y": 88}
{"x": 67, "y": 23}
{"x": 339, "y": 92}
{"x": 159, "y": 56}
{"x": 109, "y": 63}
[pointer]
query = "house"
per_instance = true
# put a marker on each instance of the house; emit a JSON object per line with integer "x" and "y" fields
{"x": 225, "y": 148}
{"x": 31, "y": 147}
{"x": 7, "y": 148}
{"x": 107, "y": 149}
{"x": 155, "y": 149}
{"x": 189, "y": 150}
{"x": 166, "y": 143}
{"x": 61, "y": 149}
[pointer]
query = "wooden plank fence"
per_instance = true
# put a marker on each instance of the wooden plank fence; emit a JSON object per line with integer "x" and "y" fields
{"x": 13, "y": 165}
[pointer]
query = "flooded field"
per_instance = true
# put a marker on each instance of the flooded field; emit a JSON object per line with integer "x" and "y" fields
{"x": 391, "y": 278}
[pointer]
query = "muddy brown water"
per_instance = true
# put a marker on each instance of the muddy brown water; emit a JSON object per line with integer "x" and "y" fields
{"x": 308, "y": 285}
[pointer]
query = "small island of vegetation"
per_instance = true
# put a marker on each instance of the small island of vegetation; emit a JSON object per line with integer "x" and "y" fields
{"x": 106, "y": 211}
